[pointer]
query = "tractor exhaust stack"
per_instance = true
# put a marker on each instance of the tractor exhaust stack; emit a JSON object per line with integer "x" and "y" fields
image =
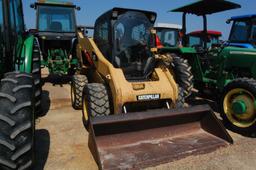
{"x": 144, "y": 139}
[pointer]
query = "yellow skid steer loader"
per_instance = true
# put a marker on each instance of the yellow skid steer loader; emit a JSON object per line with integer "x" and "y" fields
{"x": 132, "y": 106}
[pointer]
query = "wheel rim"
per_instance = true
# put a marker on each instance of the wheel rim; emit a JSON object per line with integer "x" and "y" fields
{"x": 240, "y": 107}
{"x": 85, "y": 110}
{"x": 72, "y": 94}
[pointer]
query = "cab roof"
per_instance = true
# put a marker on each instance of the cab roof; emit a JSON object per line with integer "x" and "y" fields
{"x": 168, "y": 25}
{"x": 205, "y": 7}
{"x": 209, "y": 32}
{"x": 117, "y": 11}
{"x": 243, "y": 17}
{"x": 55, "y": 3}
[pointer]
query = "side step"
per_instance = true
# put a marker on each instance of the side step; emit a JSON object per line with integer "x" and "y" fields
{"x": 144, "y": 139}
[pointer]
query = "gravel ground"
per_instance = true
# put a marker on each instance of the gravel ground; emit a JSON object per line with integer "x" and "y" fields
{"x": 61, "y": 141}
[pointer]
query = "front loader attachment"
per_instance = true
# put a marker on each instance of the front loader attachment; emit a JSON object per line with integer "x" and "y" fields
{"x": 144, "y": 139}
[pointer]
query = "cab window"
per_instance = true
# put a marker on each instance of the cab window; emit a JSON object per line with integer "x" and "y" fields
{"x": 169, "y": 38}
{"x": 1, "y": 22}
{"x": 1, "y": 17}
{"x": 11, "y": 14}
{"x": 56, "y": 19}
{"x": 240, "y": 31}
{"x": 194, "y": 41}
{"x": 18, "y": 16}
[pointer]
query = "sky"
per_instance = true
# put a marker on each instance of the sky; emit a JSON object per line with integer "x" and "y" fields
{"x": 91, "y": 9}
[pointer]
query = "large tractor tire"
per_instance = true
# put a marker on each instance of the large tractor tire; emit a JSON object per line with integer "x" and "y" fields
{"x": 36, "y": 72}
{"x": 78, "y": 83}
{"x": 239, "y": 105}
{"x": 17, "y": 125}
{"x": 96, "y": 102}
{"x": 181, "y": 99}
{"x": 182, "y": 74}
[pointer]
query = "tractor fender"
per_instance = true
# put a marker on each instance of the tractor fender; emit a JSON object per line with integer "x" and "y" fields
{"x": 25, "y": 64}
{"x": 187, "y": 50}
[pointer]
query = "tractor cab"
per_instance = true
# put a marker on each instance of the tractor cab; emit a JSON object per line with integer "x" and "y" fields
{"x": 203, "y": 8}
{"x": 243, "y": 32}
{"x": 56, "y": 30}
{"x": 124, "y": 37}
{"x": 168, "y": 34}
{"x": 196, "y": 38}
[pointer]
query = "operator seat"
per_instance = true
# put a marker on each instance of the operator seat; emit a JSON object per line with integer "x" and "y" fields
{"x": 56, "y": 26}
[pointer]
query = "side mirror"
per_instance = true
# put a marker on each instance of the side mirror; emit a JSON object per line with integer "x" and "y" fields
{"x": 32, "y": 6}
{"x": 228, "y": 21}
{"x": 78, "y": 8}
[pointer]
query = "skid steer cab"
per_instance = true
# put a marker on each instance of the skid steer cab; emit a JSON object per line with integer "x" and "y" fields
{"x": 57, "y": 31}
{"x": 132, "y": 105}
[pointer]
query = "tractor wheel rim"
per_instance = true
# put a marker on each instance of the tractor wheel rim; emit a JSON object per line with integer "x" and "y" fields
{"x": 72, "y": 94}
{"x": 239, "y": 107}
{"x": 85, "y": 110}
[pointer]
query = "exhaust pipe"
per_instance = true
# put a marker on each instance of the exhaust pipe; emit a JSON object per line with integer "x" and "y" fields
{"x": 144, "y": 139}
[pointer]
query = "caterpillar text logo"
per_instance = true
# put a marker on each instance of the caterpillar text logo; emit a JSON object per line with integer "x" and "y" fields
{"x": 149, "y": 97}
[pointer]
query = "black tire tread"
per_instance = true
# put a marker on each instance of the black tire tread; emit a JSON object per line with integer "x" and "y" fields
{"x": 78, "y": 83}
{"x": 181, "y": 99}
{"x": 36, "y": 72}
{"x": 98, "y": 100}
{"x": 183, "y": 74}
{"x": 16, "y": 122}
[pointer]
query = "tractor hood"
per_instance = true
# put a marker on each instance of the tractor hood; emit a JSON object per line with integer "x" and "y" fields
{"x": 239, "y": 57}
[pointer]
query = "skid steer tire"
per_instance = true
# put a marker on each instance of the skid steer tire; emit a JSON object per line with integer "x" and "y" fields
{"x": 17, "y": 125}
{"x": 36, "y": 72}
{"x": 77, "y": 85}
{"x": 182, "y": 74}
{"x": 96, "y": 102}
{"x": 238, "y": 93}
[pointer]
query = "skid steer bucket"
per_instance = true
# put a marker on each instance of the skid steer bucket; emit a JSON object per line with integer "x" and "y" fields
{"x": 144, "y": 139}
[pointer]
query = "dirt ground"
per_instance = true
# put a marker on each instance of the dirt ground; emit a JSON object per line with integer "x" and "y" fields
{"x": 61, "y": 140}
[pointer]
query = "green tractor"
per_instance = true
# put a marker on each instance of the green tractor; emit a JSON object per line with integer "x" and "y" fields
{"x": 58, "y": 36}
{"x": 20, "y": 88}
{"x": 222, "y": 69}
{"x": 56, "y": 30}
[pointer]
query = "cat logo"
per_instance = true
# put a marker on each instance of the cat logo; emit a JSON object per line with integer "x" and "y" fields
{"x": 148, "y": 97}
